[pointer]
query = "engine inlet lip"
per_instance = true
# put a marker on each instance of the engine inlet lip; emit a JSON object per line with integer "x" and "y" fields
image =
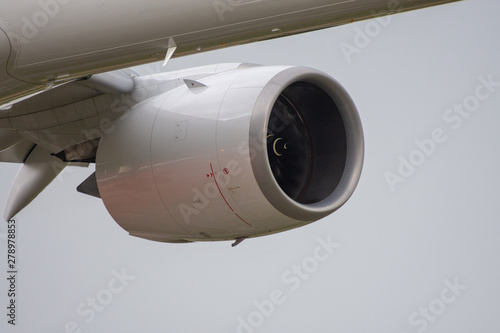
{"x": 257, "y": 144}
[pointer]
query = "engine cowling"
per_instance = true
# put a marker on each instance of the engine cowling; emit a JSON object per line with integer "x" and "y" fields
{"x": 243, "y": 153}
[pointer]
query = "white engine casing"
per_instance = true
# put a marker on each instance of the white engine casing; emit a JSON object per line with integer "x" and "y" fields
{"x": 193, "y": 164}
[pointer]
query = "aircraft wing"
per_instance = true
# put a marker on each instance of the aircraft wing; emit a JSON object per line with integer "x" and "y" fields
{"x": 63, "y": 88}
{"x": 42, "y": 45}
{"x": 37, "y": 126}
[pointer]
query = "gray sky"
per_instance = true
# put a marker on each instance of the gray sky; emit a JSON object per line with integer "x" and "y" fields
{"x": 422, "y": 256}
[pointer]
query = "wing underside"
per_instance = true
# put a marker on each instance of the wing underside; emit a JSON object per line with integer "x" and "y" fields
{"x": 53, "y": 111}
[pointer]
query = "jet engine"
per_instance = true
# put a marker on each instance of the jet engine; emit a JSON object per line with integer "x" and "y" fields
{"x": 238, "y": 154}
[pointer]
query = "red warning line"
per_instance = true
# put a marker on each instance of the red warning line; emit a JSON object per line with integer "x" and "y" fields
{"x": 242, "y": 219}
{"x": 222, "y": 195}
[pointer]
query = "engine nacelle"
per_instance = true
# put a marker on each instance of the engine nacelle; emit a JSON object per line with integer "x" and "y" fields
{"x": 243, "y": 153}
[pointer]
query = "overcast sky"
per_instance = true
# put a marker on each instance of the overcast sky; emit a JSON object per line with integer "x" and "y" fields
{"x": 418, "y": 253}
